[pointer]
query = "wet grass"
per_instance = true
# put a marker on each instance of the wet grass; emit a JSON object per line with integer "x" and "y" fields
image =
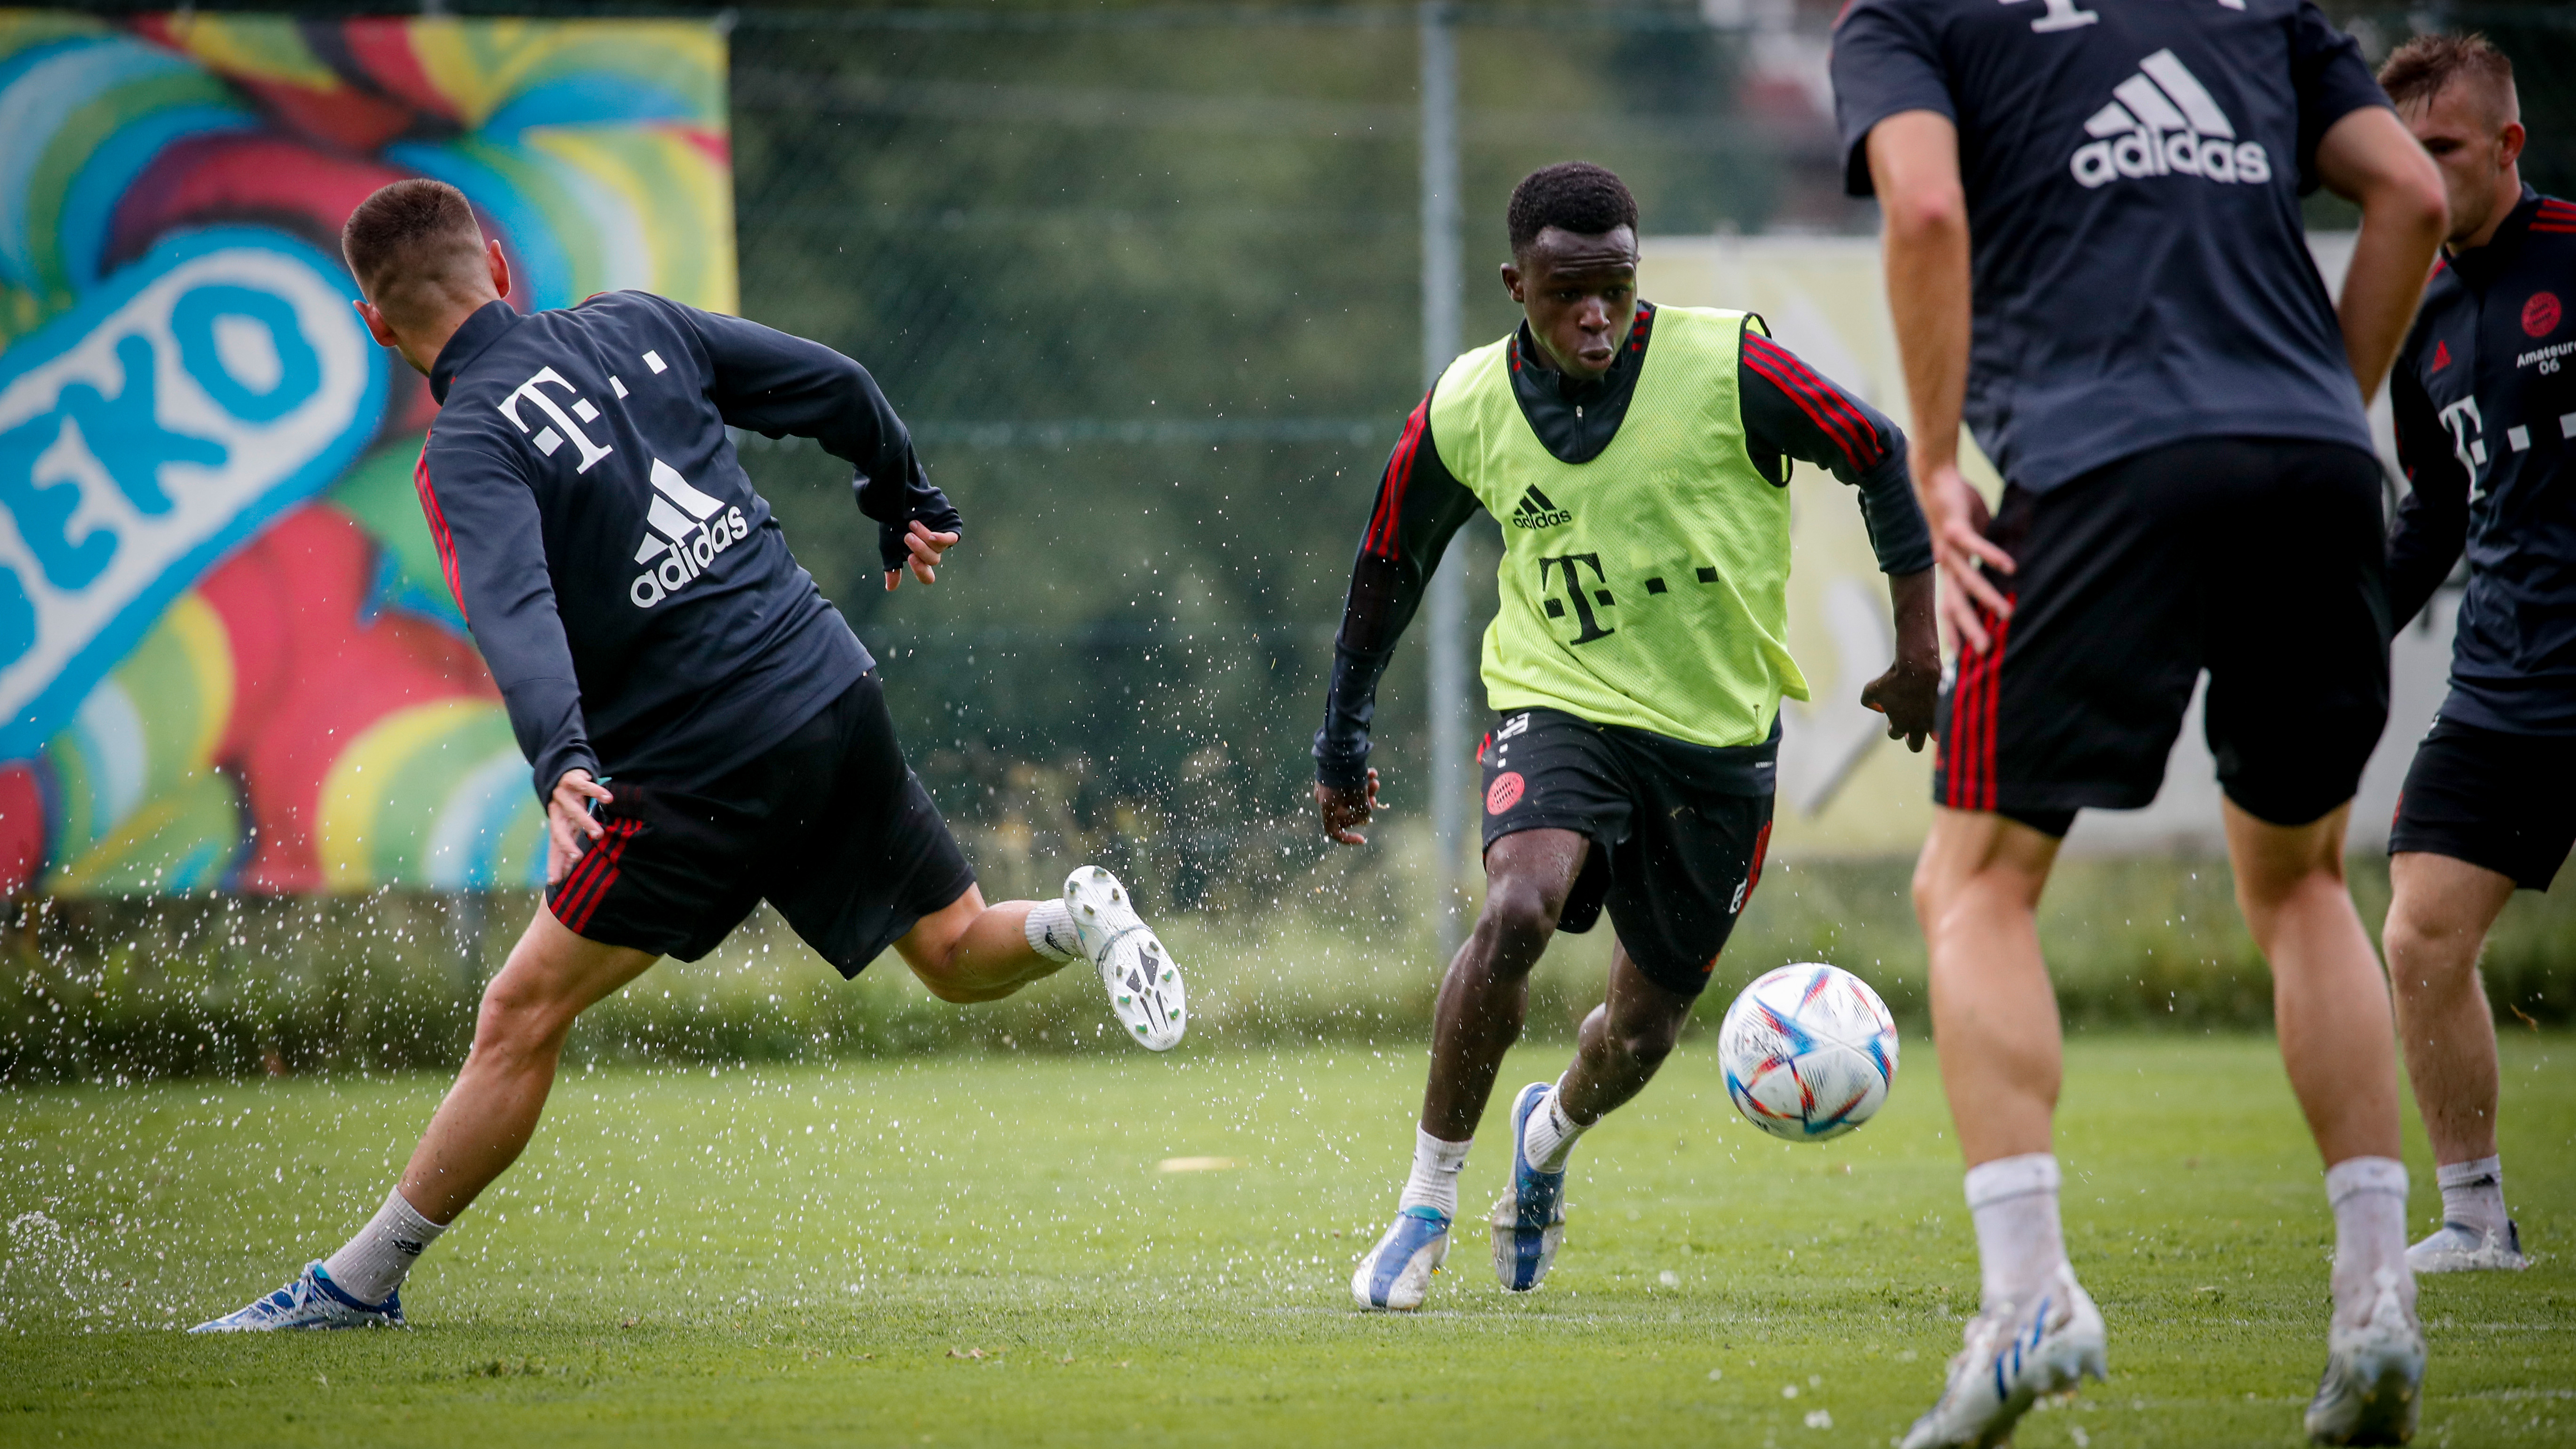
{"x": 987, "y": 1249}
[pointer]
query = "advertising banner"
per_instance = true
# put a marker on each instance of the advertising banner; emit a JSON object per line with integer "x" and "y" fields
{"x": 228, "y": 656}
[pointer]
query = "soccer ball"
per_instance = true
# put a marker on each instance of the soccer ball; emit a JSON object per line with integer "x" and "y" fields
{"x": 1809, "y": 1052}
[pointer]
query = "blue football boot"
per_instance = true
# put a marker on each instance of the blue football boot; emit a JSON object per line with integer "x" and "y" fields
{"x": 1396, "y": 1274}
{"x": 311, "y": 1301}
{"x": 1529, "y": 1221}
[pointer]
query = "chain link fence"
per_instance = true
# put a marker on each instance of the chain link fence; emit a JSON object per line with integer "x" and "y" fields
{"x": 1145, "y": 282}
{"x": 1146, "y": 285}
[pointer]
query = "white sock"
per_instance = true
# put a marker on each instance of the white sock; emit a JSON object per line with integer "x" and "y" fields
{"x": 2014, "y": 1203}
{"x": 2369, "y": 1198}
{"x": 2473, "y": 1194}
{"x": 373, "y": 1264}
{"x": 1551, "y": 1135}
{"x": 1050, "y": 932}
{"x": 1434, "y": 1182}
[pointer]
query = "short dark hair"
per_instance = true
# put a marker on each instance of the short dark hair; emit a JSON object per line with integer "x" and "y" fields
{"x": 2417, "y": 71}
{"x": 408, "y": 239}
{"x": 1574, "y": 196}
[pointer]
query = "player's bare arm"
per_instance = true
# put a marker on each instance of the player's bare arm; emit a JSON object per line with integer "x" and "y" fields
{"x": 2371, "y": 159}
{"x": 1914, "y": 162}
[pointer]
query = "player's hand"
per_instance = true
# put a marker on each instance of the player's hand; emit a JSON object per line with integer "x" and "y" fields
{"x": 1958, "y": 519}
{"x": 570, "y": 827}
{"x": 1907, "y": 694}
{"x": 1346, "y": 808}
{"x": 926, "y": 549}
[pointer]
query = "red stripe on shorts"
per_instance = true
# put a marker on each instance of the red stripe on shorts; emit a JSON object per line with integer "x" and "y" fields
{"x": 618, "y": 835}
{"x": 1969, "y": 752}
{"x": 597, "y": 872}
{"x": 1986, "y": 715}
{"x": 578, "y": 878}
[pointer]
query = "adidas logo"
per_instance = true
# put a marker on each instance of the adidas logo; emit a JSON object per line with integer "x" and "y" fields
{"x": 1535, "y": 511}
{"x": 2441, "y": 356}
{"x": 686, "y": 542}
{"x": 2163, "y": 122}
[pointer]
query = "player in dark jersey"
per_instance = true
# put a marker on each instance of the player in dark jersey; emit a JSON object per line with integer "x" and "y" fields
{"x": 705, "y": 729}
{"x": 1638, "y": 457}
{"x": 2094, "y": 255}
{"x": 2486, "y": 414}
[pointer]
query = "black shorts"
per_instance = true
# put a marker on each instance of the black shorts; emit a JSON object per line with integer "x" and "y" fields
{"x": 2505, "y": 802}
{"x": 2257, "y": 559}
{"x": 827, "y": 825}
{"x": 1678, "y": 830}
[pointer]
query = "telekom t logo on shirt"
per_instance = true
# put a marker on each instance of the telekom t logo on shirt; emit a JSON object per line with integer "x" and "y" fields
{"x": 2164, "y": 122}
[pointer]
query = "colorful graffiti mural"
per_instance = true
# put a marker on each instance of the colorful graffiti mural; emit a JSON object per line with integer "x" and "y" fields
{"x": 228, "y": 659}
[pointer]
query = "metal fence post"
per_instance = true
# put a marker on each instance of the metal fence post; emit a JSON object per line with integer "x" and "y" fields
{"x": 1448, "y": 595}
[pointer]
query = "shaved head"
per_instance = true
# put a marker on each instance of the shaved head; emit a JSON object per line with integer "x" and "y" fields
{"x": 2418, "y": 72}
{"x": 415, "y": 250}
{"x": 2455, "y": 93}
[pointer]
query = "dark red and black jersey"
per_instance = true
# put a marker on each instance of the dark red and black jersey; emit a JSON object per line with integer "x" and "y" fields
{"x": 2484, "y": 394}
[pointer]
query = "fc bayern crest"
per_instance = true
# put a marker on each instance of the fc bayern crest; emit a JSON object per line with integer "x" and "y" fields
{"x": 2540, "y": 315}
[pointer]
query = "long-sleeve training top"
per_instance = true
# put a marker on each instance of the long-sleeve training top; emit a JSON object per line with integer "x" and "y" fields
{"x": 2485, "y": 400}
{"x": 1789, "y": 412}
{"x": 635, "y": 601}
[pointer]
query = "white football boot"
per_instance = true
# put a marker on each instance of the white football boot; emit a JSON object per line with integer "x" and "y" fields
{"x": 2459, "y": 1248}
{"x": 1396, "y": 1274}
{"x": 1144, "y": 986}
{"x": 2013, "y": 1355}
{"x": 1529, "y": 1220}
{"x": 311, "y": 1301}
{"x": 2373, "y": 1385}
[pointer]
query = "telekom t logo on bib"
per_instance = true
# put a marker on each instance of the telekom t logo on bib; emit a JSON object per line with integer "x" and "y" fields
{"x": 2164, "y": 122}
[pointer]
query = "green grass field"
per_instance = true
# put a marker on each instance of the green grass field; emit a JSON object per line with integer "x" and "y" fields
{"x": 986, "y": 1249}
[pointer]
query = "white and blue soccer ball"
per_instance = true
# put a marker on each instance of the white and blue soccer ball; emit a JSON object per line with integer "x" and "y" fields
{"x": 1809, "y": 1052}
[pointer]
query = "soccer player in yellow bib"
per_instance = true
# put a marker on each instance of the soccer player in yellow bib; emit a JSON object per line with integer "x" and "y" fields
{"x": 1638, "y": 458}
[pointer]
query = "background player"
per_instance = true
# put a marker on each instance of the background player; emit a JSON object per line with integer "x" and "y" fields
{"x": 650, "y": 632}
{"x": 2142, "y": 342}
{"x": 1639, "y": 459}
{"x": 2490, "y": 803}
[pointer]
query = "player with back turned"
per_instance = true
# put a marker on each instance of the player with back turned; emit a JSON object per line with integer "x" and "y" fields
{"x": 2094, "y": 251}
{"x": 706, "y": 731}
{"x": 1638, "y": 457}
{"x": 2485, "y": 404}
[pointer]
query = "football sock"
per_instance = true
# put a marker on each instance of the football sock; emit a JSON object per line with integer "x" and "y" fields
{"x": 2014, "y": 1203}
{"x": 2369, "y": 1198}
{"x": 372, "y": 1266}
{"x": 1551, "y": 1134}
{"x": 2473, "y": 1194}
{"x": 1050, "y": 931}
{"x": 1434, "y": 1182}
